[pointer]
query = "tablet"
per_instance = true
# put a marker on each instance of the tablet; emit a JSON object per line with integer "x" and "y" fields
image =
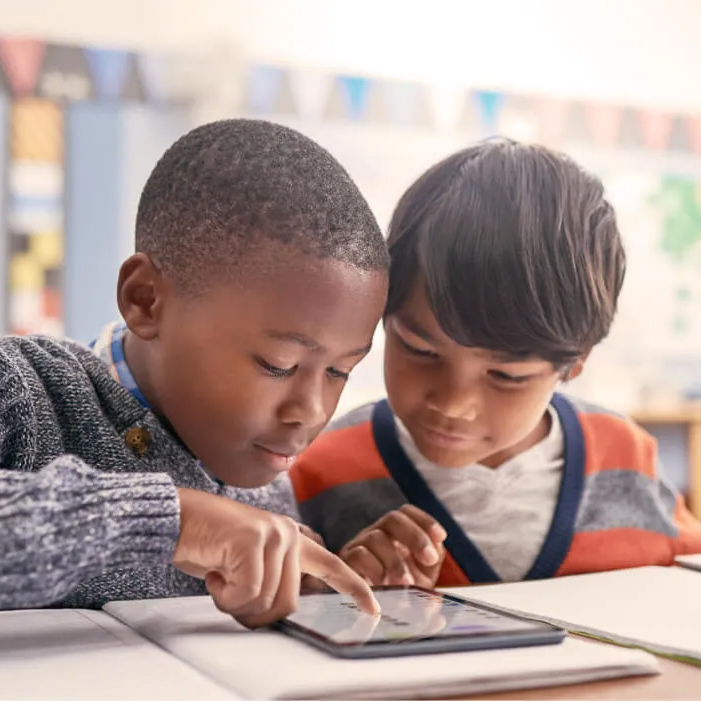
{"x": 413, "y": 621}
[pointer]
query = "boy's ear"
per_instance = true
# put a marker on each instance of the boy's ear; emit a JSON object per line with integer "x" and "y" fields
{"x": 140, "y": 292}
{"x": 576, "y": 369}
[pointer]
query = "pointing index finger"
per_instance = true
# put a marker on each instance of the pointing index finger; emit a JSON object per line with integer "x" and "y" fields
{"x": 320, "y": 563}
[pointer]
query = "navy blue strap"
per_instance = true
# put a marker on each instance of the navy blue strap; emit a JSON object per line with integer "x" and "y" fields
{"x": 417, "y": 492}
{"x": 559, "y": 538}
{"x": 458, "y": 544}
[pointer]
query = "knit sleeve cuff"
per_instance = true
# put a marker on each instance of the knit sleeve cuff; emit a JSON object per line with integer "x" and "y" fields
{"x": 143, "y": 520}
{"x": 124, "y": 520}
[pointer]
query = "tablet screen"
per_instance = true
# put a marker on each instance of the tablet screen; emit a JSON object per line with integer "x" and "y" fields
{"x": 407, "y": 614}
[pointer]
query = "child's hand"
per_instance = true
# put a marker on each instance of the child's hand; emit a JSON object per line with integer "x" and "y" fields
{"x": 403, "y": 547}
{"x": 311, "y": 584}
{"x": 312, "y": 535}
{"x": 252, "y": 560}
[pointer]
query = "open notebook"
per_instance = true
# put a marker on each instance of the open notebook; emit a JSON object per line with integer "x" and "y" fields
{"x": 692, "y": 562}
{"x": 654, "y": 608}
{"x": 266, "y": 664}
{"x": 77, "y": 654}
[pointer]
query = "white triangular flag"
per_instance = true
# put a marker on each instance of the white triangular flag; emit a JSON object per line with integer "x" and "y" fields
{"x": 447, "y": 103}
{"x": 310, "y": 90}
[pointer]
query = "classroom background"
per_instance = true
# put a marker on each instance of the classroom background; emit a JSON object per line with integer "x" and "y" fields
{"x": 92, "y": 93}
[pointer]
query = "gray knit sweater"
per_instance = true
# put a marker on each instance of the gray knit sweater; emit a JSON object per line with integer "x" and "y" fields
{"x": 86, "y": 516}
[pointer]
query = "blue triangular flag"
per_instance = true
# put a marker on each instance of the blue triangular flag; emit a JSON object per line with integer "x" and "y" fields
{"x": 355, "y": 92}
{"x": 109, "y": 70}
{"x": 489, "y": 104}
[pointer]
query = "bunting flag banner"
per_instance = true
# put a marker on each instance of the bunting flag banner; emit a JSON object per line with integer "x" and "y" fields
{"x": 285, "y": 102}
{"x": 22, "y": 59}
{"x": 71, "y": 73}
{"x": 5, "y": 88}
{"x": 376, "y": 109}
{"x": 154, "y": 71}
{"x": 630, "y": 136}
{"x": 679, "y": 137}
{"x": 356, "y": 93}
{"x": 446, "y": 104}
{"x": 489, "y": 105}
{"x": 605, "y": 123}
{"x": 404, "y": 103}
{"x": 656, "y": 128}
{"x": 335, "y": 107}
{"x": 65, "y": 74}
{"x": 133, "y": 87}
{"x": 182, "y": 77}
{"x": 310, "y": 92}
{"x": 576, "y": 129}
{"x": 693, "y": 125}
{"x": 552, "y": 116}
{"x": 263, "y": 87}
{"x": 518, "y": 120}
{"x": 109, "y": 68}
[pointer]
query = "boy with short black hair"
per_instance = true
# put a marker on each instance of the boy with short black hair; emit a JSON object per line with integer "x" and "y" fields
{"x": 258, "y": 279}
{"x": 506, "y": 266}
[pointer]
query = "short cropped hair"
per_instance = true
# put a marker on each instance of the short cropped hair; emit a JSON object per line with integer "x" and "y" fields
{"x": 518, "y": 248}
{"x": 227, "y": 186}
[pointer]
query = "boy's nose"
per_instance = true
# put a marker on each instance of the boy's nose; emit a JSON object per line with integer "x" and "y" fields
{"x": 305, "y": 407}
{"x": 455, "y": 402}
{"x": 455, "y": 411}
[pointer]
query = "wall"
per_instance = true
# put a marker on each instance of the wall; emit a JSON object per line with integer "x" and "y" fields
{"x": 4, "y": 240}
{"x": 623, "y": 50}
{"x": 111, "y": 151}
{"x": 135, "y": 24}
{"x": 654, "y": 182}
{"x": 84, "y": 127}
{"x": 617, "y": 51}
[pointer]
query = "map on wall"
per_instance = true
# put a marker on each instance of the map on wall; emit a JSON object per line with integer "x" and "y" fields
{"x": 679, "y": 204}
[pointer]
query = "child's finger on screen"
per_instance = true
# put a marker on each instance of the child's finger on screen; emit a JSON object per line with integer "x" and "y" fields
{"x": 426, "y": 522}
{"x": 365, "y": 563}
{"x": 382, "y": 545}
{"x": 405, "y": 530}
{"x": 425, "y": 577}
{"x": 323, "y": 564}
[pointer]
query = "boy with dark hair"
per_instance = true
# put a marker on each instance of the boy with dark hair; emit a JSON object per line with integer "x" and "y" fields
{"x": 506, "y": 266}
{"x": 258, "y": 279}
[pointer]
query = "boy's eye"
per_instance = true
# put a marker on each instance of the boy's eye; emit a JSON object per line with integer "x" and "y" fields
{"x": 507, "y": 378}
{"x": 275, "y": 371}
{"x": 416, "y": 351}
{"x": 338, "y": 374}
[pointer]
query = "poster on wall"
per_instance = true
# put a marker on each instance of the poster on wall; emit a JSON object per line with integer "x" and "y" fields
{"x": 35, "y": 217}
{"x": 37, "y": 80}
